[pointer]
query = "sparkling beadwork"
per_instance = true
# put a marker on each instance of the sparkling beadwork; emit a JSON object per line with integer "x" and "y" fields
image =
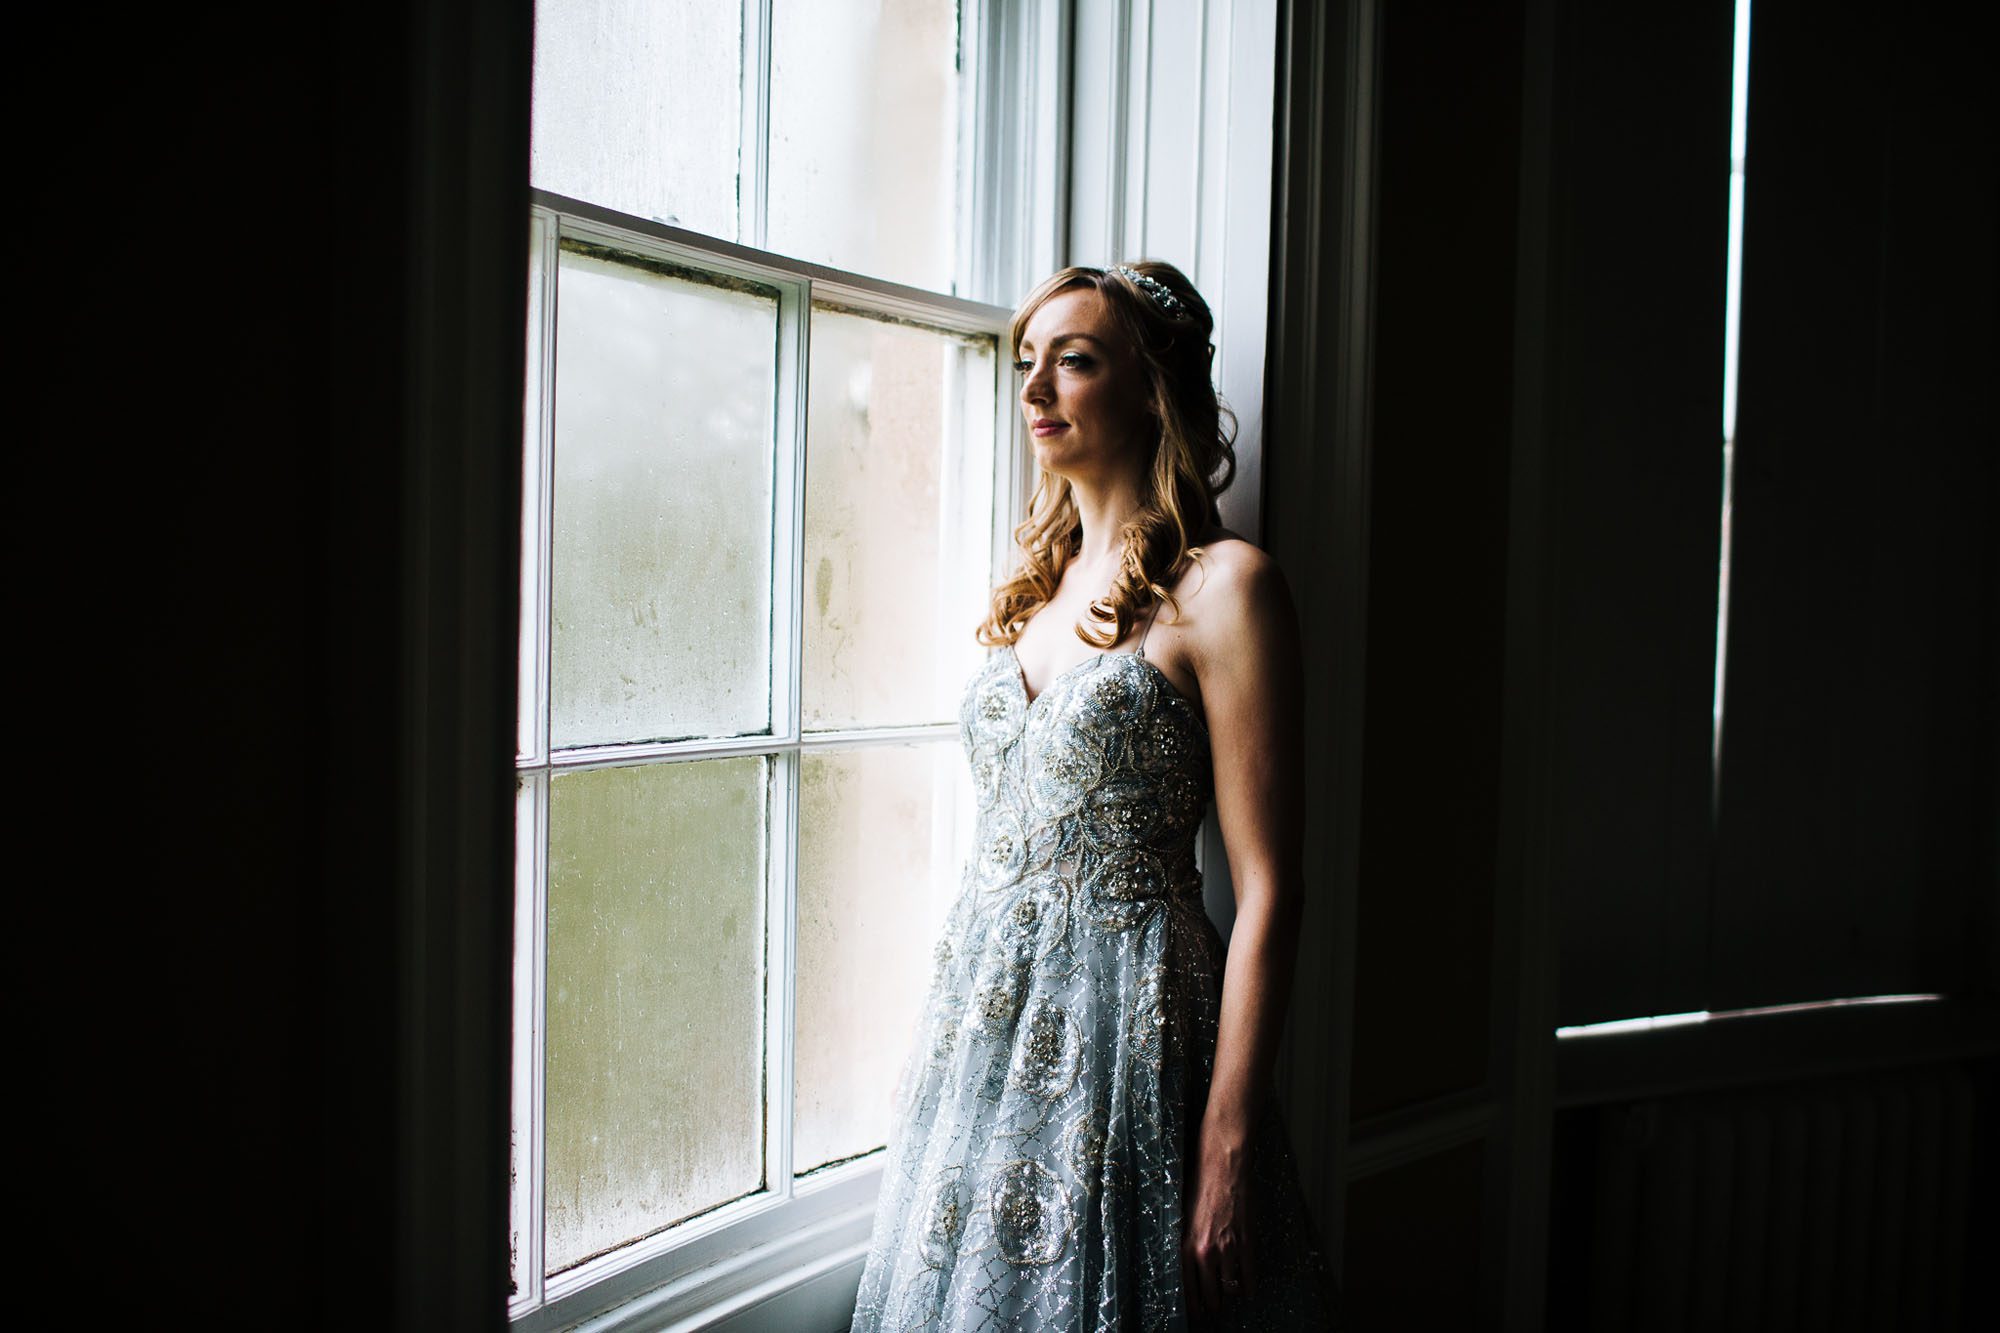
{"x": 1003, "y": 851}
{"x": 943, "y": 1212}
{"x": 1112, "y": 699}
{"x": 1046, "y": 1051}
{"x": 1083, "y": 1148}
{"x": 996, "y": 1000}
{"x": 1164, "y": 744}
{"x": 1063, "y": 771}
{"x": 1133, "y": 875}
{"x": 942, "y": 1048}
{"x": 1031, "y": 1214}
{"x": 1149, "y": 1014}
{"x": 996, "y": 713}
{"x": 1123, "y": 812}
{"x": 1123, "y": 888}
{"x": 1035, "y": 922}
{"x": 1180, "y": 803}
{"x": 988, "y": 771}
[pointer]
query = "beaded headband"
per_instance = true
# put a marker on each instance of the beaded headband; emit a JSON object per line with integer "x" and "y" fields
{"x": 1153, "y": 287}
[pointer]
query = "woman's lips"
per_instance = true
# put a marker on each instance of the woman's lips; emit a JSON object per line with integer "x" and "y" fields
{"x": 1050, "y": 427}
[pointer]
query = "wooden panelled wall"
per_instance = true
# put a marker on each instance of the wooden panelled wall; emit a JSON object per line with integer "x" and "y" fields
{"x": 1496, "y": 473}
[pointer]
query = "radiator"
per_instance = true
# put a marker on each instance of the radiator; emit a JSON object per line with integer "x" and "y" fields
{"x": 1828, "y": 1205}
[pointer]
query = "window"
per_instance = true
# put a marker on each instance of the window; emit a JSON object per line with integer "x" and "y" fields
{"x": 769, "y": 454}
{"x": 771, "y": 461}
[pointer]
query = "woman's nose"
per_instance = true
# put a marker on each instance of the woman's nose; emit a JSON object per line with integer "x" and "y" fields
{"x": 1035, "y": 386}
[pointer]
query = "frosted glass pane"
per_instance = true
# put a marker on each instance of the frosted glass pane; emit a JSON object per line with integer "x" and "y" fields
{"x": 899, "y": 499}
{"x": 528, "y": 792}
{"x": 528, "y": 724}
{"x": 655, "y": 1008}
{"x": 638, "y": 106}
{"x": 663, "y": 480}
{"x": 864, "y": 136}
{"x": 880, "y": 838}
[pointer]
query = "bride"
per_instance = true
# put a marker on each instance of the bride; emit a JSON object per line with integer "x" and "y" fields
{"x": 1085, "y": 1135}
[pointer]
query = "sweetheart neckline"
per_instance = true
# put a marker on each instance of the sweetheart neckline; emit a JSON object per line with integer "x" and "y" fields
{"x": 1030, "y": 700}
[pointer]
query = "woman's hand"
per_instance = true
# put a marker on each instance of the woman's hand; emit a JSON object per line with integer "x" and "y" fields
{"x": 1216, "y": 1261}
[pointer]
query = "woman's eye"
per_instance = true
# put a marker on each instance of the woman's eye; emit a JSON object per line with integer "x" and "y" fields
{"x": 1068, "y": 361}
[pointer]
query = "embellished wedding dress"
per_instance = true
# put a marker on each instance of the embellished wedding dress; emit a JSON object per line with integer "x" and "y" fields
{"x": 1039, "y": 1165}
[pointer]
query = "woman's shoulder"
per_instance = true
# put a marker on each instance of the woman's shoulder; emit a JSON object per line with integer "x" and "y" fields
{"x": 1232, "y": 592}
{"x": 1232, "y": 567}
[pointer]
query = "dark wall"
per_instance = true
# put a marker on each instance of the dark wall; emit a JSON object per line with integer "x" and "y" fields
{"x": 1441, "y": 379}
{"x": 229, "y": 273}
{"x": 1545, "y": 453}
{"x": 1846, "y": 846}
{"x": 1449, "y": 125}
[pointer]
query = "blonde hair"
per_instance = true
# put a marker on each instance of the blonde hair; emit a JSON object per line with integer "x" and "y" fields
{"x": 1191, "y": 460}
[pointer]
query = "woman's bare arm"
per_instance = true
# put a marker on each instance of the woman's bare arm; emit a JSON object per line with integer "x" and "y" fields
{"x": 1245, "y": 652}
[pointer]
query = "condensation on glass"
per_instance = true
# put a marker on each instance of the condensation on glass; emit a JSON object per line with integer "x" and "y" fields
{"x": 882, "y": 831}
{"x": 655, "y": 1001}
{"x": 864, "y": 137}
{"x": 526, "y": 943}
{"x": 665, "y": 383}
{"x": 899, "y": 502}
{"x": 638, "y": 107}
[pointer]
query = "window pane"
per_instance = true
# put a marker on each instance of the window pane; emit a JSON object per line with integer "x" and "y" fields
{"x": 864, "y": 136}
{"x": 655, "y": 1009}
{"x": 638, "y": 107}
{"x": 880, "y": 831}
{"x": 899, "y": 491}
{"x": 663, "y": 479}
{"x": 527, "y": 865}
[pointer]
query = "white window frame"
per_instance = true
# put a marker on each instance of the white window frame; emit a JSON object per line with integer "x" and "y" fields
{"x": 794, "y": 1228}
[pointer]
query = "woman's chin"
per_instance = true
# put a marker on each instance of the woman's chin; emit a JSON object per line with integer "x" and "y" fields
{"x": 1082, "y": 467}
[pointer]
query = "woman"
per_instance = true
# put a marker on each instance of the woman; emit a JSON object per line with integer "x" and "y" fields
{"x": 1086, "y": 1137}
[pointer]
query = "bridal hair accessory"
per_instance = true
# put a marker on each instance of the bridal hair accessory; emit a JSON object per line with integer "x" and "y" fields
{"x": 1153, "y": 287}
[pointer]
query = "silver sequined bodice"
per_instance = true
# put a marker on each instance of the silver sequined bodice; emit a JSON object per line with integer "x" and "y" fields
{"x": 1036, "y": 1174}
{"x": 1100, "y": 781}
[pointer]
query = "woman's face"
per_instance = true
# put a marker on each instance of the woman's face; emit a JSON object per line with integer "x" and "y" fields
{"x": 1081, "y": 389}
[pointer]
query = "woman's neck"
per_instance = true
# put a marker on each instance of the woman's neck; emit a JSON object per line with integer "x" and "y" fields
{"x": 1104, "y": 509}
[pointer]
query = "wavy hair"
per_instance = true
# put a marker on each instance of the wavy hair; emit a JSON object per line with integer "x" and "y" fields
{"x": 1190, "y": 460}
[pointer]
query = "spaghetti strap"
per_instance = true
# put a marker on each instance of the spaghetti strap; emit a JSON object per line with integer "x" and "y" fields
{"x": 1151, "y": 616}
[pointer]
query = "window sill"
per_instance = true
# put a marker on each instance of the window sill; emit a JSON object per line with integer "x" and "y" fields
{"x": 792, "y": 1266}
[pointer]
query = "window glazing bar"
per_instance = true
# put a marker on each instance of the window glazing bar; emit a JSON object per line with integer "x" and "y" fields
{"x": 947, "y": 313}
{"x": 527, "y": 1195}
{"x": 788, "y": 657}
{"x": 753, "y": 154}
{"x": 542, "y": 498}
{"x": 620, "y": 756}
